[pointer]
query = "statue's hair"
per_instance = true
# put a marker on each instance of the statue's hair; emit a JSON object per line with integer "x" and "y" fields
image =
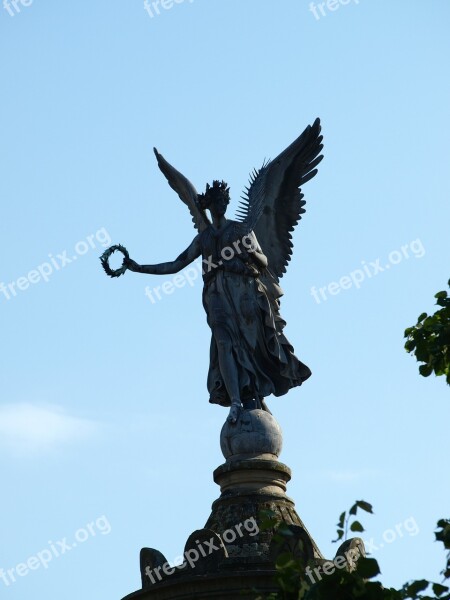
{"x": 218, "y": 188}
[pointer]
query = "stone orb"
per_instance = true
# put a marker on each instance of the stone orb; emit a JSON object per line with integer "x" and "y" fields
{"x": 255, "y": 433}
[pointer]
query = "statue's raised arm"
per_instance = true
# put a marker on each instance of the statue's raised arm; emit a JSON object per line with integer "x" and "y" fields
{"x": 185, "y": 190}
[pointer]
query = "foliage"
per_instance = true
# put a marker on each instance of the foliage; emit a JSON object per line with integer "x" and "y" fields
{"x": 344, "y": 519}
{"x": 341, "y": 584}
{"x": 288, "y": 567}
{"x": 429, "y": 339}
{"x": 444, "y": 536}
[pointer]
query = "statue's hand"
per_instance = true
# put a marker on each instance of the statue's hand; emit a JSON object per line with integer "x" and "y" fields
{"x": 131, "y": 264}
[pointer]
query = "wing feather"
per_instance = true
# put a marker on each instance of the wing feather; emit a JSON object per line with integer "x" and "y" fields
{"x": 274, "y": 203}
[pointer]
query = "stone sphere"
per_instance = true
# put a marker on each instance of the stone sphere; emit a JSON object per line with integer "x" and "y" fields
{"x": 255, "y": 433}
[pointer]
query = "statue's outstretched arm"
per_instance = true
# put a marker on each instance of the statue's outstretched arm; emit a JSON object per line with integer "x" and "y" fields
{"x": 166, "y": 268}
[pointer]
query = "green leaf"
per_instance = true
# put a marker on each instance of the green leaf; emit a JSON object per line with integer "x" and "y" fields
{"x": 439, "y": 589}
{"x": 422, "y": 317}
{"x": 417, "y": 586}
{"x": 444, "y": 535}
{"x": 341, "y": 520}
{"x": 356, "y": 526}
{"x": 410, "y": 345}
{"x": 441, "y": 295}
{"x": 353, "y": 509}
{"x": 363, "y": 505}
{"x": 367, "y": 568}
{"x": 285, "y": 560}
{"x": 285, "y": 530}
{"x": 429, "y": 323}
{"x": 340, "y": 535}
{"x": 425, "y": 370}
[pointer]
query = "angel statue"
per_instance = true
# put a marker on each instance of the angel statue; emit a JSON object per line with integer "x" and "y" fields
{"x": 242, "y": 262}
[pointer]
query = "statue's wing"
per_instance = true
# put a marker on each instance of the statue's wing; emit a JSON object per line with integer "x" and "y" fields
{"x": 272, "y": 204}
{"x": 185, "y": 190}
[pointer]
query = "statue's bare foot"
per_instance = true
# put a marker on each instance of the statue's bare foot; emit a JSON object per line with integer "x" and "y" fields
{"x": 234, "y": 413}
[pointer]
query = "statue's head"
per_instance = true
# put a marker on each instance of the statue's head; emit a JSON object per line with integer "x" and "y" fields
{"x": 216, "y": 198}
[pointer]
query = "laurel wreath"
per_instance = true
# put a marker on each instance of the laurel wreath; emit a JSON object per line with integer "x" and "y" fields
{"x": 104, "y": 258}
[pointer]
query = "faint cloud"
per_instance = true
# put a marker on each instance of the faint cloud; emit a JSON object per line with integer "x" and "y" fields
{"x": 26, "y": 428}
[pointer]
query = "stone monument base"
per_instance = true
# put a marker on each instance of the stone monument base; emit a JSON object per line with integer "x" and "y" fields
{"x": 234, "y": 555}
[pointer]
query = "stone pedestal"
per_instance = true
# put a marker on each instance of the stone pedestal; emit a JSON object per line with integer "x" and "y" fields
{"x": 233, "y": 555}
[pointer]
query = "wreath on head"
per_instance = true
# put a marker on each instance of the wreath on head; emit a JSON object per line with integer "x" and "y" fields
{"x": 104, "y": 258}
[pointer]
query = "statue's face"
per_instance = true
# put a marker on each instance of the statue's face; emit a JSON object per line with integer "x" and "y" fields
{"x": 219, "y": 205}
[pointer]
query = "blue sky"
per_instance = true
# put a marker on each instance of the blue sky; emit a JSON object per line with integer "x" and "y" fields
{"x": 106, "y": 435}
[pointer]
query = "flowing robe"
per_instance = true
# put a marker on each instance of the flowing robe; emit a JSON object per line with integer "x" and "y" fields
{"x": 242, "y": 307}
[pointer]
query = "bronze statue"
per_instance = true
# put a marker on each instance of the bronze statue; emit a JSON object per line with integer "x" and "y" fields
{"x": 243, "y": 260}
